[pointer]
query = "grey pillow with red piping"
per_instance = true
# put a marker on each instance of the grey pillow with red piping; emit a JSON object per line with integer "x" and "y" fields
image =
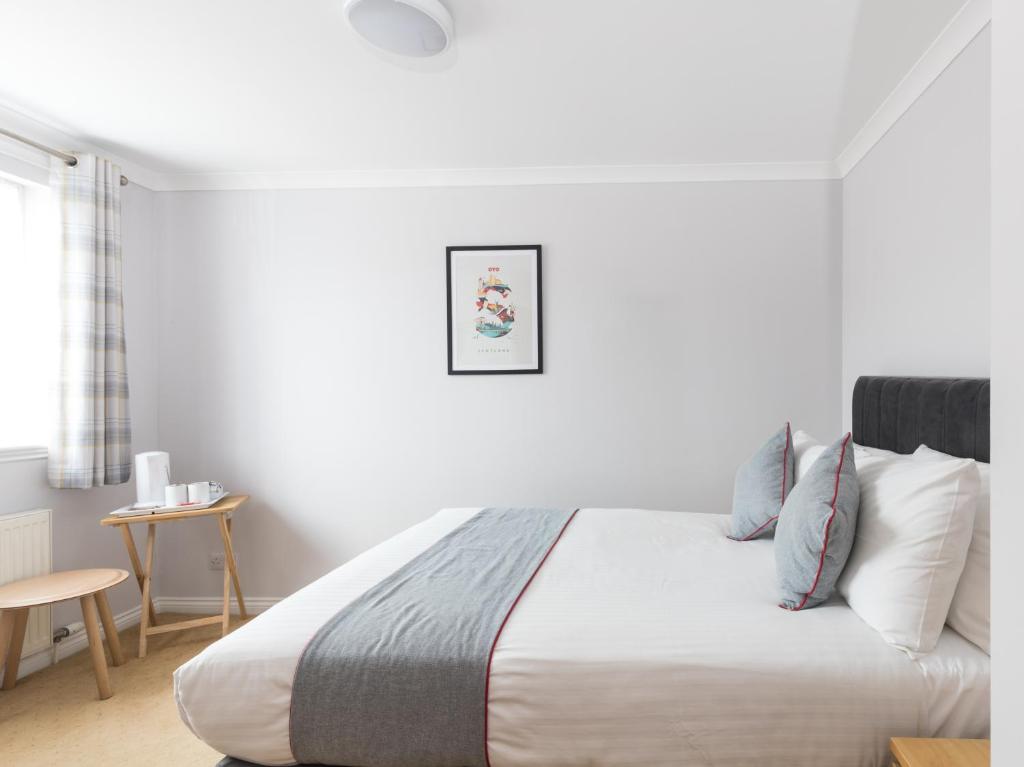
{"x": 816, "y": 528}
{"x": 762, "y": 485}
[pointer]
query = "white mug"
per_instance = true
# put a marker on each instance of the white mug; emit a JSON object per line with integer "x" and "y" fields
{"x": 216, "y": 488}
{"x": 175, "y": 495}
{"x": 199, "y": 492}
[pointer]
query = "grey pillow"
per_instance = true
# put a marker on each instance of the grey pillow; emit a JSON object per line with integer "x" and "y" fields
{"x": 816, "y": 528}
{"x": 762, "y": 484}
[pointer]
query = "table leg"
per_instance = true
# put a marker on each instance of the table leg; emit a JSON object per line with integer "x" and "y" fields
{"x": 229, "y": 563}
{"x": 109, "y": 628}
{"x": 99, "y": 660}
{"x": 133, "y": 555}
{"x": 147, "y": 580}
{"x": 225, "y": 621}
{"x": 14, "y": 624}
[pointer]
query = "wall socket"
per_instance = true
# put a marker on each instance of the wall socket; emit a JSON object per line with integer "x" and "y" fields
{"x": 216, "y": 560}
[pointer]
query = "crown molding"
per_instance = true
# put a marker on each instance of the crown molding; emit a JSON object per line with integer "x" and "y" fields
{"x": 473, "y": 177}
{"x": 957, "y": 35}
{"x": 25, "y": 162}
{"x": 33, "y": 164}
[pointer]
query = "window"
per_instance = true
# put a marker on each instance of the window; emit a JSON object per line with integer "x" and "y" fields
{"x": 29, "y": 316}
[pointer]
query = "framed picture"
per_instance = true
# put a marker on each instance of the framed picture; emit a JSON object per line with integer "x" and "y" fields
{"x": 494, "y": 309}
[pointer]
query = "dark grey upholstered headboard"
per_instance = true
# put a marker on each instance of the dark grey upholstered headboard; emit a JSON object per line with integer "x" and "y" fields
{"x": 947, "y": 414}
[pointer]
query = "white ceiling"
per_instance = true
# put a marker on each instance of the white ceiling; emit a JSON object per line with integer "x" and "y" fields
{"x": 194, "y": 86}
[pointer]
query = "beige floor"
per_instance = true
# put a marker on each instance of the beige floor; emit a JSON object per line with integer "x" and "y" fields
{"x": 54, "y": 717}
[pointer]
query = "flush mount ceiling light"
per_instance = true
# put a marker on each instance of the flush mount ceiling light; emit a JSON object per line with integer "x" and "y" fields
{"x": 406, "y": 27}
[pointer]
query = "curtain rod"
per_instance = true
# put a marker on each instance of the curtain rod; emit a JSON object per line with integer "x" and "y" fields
{"x": 69, "y": 159}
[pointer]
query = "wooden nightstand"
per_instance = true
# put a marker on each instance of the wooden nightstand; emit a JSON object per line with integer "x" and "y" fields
{"x": 939, "y": 752}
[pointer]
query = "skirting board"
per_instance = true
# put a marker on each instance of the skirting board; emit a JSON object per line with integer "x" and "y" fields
{"x": 210, "y": 605}
{"x": 187, "y": 605}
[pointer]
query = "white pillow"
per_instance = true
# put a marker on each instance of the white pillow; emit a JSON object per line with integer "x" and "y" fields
{"x": 876, "y": 452}
{"x": 914, "y": 528}
{"x": 806, "y": 450}
{"x": 969, "y": 614}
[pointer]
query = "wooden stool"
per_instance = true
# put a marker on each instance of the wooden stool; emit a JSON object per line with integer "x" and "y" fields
{"x": 87, "y": 585}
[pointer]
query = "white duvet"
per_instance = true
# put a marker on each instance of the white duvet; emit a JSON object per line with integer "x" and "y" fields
{"x": 647, "y": 638}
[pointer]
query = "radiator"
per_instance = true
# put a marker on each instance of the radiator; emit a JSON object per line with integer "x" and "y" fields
{"x": 24, "y": 552}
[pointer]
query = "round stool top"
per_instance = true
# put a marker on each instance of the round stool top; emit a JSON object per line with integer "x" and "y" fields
{"x": 56, "y": 587}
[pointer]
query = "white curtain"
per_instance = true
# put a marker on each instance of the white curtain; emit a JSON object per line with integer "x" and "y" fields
{"x": 92, "y": 442}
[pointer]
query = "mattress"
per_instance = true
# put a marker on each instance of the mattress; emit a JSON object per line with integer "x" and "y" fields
{"x": 647, "y": 638}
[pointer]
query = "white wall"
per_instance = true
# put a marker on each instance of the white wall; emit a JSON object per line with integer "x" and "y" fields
{"x": 916, "y": 236}
{"x": 1008, "y": 372}
{"x": 78, "y": 539}
{"x": 302, "y": 342}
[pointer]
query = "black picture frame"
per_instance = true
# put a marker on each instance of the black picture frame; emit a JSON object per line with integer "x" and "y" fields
{"x": 538, "y": 309}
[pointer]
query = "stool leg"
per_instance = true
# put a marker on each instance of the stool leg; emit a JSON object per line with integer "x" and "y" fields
{"x": 99, "y": 660}
{"x": 6, "y": 629}
{"x": 17, "y": 620}
{"x": 109, "y": 628}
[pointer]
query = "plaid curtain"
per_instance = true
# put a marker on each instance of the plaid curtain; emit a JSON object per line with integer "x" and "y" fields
{"x": 92, "y": 442}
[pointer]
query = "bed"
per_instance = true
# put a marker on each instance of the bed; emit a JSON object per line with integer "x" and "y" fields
{"x": 644, "y": 638}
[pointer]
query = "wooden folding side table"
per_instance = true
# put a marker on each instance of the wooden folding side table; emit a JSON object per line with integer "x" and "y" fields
{"x": 148, "y": 625}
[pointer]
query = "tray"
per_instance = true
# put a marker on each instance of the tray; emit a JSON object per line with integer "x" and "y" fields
{"x": 128, "y": 511}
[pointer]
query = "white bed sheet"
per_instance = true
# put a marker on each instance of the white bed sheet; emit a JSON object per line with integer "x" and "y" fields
{"x": 648, "y": 638}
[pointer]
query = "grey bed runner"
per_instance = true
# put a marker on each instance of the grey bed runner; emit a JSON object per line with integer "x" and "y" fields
{"x": 398, "y": 678}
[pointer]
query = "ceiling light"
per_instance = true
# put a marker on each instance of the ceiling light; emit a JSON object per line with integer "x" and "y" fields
{"x": 405, "y": 27}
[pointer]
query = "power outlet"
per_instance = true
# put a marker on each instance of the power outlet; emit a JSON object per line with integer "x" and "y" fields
{"x": 216, "y": 560}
